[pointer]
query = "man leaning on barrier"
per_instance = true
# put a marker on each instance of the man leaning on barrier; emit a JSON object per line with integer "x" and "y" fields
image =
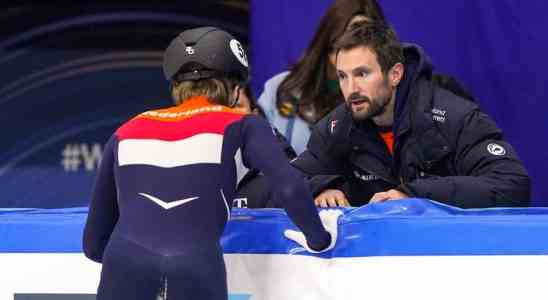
{"x": 398, "y": 135}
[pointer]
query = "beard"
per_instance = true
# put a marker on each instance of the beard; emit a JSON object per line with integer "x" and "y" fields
{"x": 375, "y": 107}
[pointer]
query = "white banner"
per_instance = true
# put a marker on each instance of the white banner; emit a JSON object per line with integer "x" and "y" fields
{"x": 279, "y": 277}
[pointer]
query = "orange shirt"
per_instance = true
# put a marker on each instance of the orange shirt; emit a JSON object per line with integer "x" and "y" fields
{"x": 388, "y": 138}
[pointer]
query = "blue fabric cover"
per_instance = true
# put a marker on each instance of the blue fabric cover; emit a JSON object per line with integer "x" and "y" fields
{"x": 407, "y": 227}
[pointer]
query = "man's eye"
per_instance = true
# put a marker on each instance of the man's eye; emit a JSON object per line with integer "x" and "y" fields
{"x": 341, "y": 76}
{"x": 363, "y": 74}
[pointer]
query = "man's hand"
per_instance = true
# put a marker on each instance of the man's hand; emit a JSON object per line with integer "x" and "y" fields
{"x": 329, "y": 220}
{"x": 331, "y": 198}
{"x": 388, "y": 195}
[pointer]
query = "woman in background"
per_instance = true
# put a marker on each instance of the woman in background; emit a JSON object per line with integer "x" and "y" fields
{"x": 294, "y": 100}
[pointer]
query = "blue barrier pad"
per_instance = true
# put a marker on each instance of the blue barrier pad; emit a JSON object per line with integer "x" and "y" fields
{"x": 42, "y": 230}
{"x": 407, "y": 227}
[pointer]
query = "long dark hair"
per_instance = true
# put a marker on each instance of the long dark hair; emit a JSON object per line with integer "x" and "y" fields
{"x": 305, "y": 89}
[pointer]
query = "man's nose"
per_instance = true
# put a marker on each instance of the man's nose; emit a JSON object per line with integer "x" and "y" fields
{"x": 352, "y": 86}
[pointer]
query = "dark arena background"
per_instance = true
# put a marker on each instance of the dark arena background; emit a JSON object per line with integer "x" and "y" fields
{"x": 71, "y": 72}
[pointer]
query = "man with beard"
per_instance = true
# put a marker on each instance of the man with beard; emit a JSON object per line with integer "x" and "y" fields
{"x": 399, "y": 135}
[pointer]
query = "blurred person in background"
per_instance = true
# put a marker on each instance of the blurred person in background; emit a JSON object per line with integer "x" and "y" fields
{"x": 253, "y": 190}
{"x": 162, "y": 195}
{"x": 294, "y": 100}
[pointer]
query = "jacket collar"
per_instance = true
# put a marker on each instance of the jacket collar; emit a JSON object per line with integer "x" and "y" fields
{"x": 417, "y": 65}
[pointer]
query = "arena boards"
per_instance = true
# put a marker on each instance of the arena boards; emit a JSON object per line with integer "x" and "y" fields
{"x": 414, "y": 249}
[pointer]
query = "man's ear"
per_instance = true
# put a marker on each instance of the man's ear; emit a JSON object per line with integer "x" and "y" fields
{"x": 395, "y": 74}
{"x": 235, "y": 95}
{"x": 236, "y": 91}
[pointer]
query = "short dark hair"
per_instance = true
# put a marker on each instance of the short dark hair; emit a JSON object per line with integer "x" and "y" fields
{"x": 218, "y": 88}
{"x": 379, "y": 37}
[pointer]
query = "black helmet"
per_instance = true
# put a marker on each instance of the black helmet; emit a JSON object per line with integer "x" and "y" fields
{"x": 205, "y": 52}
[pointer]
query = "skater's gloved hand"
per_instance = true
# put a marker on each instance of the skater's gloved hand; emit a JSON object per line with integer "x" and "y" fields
{"x": 329, "y": 218}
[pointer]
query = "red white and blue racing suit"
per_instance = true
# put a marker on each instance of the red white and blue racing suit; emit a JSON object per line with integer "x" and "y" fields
{"x": 162, "y": 199}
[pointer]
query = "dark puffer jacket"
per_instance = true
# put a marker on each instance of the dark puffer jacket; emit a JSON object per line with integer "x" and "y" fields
{"x": 445, "y": 149}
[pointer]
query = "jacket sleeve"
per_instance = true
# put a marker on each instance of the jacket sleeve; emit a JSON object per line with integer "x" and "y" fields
{"x": 319, "y": 177}
{"x": 253, "y": 185}
{"x": 103, "y": 209}
{"x": 489, "y": 171}
{"x": 262, "y": 151}
{"x": 322, "y": 160}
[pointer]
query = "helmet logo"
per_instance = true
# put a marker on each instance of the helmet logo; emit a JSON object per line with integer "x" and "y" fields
{"x": 190, "y": 50}
{"x": 238, "y": 51}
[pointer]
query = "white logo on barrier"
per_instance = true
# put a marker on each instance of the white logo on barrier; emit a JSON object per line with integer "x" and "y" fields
{"x": 238, "y": 51}
{"x": 74, "y": 156}
{"x": 496, "y": 149}
{"x": 239, "y": 202}
{"x": 166, "y": 205}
